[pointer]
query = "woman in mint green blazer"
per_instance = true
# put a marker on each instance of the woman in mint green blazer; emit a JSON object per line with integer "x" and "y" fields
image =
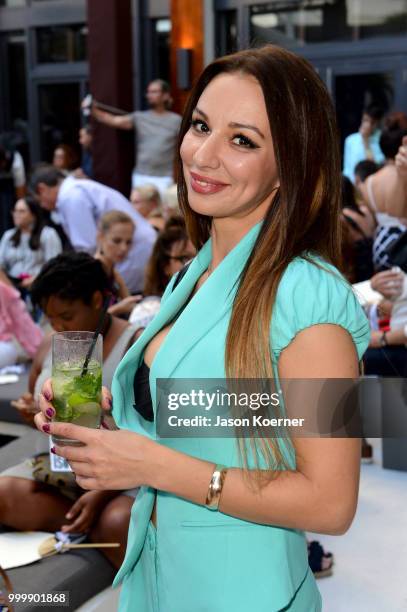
{"x": 259, "y": 186}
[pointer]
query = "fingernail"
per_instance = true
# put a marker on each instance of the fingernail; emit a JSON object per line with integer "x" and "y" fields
{"x": 50, "y": 412}
{"x": 46, "y": 428}
{"x": 53, "y": 450}
{"x": 47, "y": 395}
{"x": 104, "y": 425}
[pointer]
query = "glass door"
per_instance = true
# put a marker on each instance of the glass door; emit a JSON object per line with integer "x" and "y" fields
{"x": 14, "y": 104}
{"x": 59, "y": 117}
{"x": 353, "y": 92}
{"x": 356, "y": 83}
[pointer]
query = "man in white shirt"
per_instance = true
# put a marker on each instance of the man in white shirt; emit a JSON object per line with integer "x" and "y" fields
{"x": 79, "y": 204}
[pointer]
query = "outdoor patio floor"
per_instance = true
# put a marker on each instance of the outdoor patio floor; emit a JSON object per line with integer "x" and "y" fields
{"x": 370, "y": 572}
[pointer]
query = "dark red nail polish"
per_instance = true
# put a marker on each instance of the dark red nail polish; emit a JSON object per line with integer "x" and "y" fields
{"x": 47, "y": 396}
{"x": 46, "y": 428}
{"x": 53, "y": 450}
{"x": 50, "y": 412}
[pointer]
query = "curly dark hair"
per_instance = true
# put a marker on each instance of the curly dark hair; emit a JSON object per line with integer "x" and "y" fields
{"x": 394, "y": 130}
{"x": 70, "y": 276}
{"x": 365, "y": 168}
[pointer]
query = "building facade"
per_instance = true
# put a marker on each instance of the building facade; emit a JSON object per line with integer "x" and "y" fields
{"x": 45, "y": 69}
{"x": 359, "y": 47}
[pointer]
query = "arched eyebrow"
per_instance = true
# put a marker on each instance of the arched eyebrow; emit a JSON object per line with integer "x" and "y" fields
{"x": 233, "y": 124}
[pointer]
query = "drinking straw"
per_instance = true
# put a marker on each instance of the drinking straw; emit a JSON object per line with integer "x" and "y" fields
{"x": 96, "y": 334}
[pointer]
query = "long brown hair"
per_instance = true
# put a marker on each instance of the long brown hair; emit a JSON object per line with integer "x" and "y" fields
{"x": 303, "y": 216}
{"x": 38, "y": 225}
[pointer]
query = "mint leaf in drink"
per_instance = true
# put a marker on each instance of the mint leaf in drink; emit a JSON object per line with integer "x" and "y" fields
{"x": 87, "y": 386}
{"x": 77, "y": 398}
{"x": 63, "y": 410}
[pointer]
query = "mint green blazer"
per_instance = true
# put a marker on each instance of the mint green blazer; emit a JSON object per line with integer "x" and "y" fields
{"x": 199, "y": 560}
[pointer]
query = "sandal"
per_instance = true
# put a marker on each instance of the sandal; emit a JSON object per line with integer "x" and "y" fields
{"x": 315, "y": 555}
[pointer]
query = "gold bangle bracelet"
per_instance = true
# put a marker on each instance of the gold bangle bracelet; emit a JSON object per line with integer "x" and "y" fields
{"x": 215, "y": 487}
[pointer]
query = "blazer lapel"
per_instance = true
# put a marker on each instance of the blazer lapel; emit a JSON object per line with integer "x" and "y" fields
{"x": 206, "y": 307}
{"x": 211, "y": 302}
{"x": 122, "y": 384}
{"x": 168, "y": 310}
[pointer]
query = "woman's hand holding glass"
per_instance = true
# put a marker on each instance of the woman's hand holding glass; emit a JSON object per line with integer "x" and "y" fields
{"x": 107, "y": 460}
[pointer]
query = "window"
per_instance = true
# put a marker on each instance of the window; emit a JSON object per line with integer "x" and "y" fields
{"x": 65, "y": 43}
{"x": 226, "y": 32}
{"x": 14, "y": 81}
{"x": 161, "y": 49}
{"x": 59, "y": 116}
{"x": 300, "y": 22}
{"x": 13, "y": 3}
{"x": 16, "y": 76}
{"x": 372, "y": 18}
{"x": 353, "y": 92}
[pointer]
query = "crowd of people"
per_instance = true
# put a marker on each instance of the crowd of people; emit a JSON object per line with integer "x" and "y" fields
{"x": 70, "y": 241}
{"x": 375, "y": 227}
{"x": 375, "y": 219}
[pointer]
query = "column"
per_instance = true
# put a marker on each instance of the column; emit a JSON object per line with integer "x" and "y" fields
{"x": 110, "y": 82}
{"x": 187, "y": 32}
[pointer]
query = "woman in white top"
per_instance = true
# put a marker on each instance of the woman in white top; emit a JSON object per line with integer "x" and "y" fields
{"x": 25, "y": 248}
{"x": 114, "y": 239}
{"x": 385, "y": 192}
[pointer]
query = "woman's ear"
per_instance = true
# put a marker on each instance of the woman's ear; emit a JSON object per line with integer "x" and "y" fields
{"x": 97, "y": 300}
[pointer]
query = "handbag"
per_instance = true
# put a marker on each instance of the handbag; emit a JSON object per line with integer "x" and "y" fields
{"x": 64, "y": 481}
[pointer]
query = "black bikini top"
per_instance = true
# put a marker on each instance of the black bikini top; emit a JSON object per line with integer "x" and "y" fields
{"x": 142, "y": 394}
{"x": 141, "y": 382}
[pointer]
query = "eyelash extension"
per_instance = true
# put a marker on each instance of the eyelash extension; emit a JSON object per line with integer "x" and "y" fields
{"x": 196, "y": 122}
{"x": 249, "y": 144}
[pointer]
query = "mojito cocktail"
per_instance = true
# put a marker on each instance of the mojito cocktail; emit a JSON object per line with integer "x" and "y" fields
{"x": 77, "y": 391}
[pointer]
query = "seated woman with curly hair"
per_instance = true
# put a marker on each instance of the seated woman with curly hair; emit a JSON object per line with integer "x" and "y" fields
{"x": 71, "y": 290}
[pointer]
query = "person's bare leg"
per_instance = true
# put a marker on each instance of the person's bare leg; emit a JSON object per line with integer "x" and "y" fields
{"x": 27, "y": 505}
{"x": 112, "y": 526}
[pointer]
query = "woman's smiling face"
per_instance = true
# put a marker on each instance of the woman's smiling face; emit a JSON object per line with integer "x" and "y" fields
{"x": 227, "y": 154}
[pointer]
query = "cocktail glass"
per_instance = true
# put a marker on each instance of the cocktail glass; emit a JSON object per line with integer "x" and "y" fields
{"x": 77, "y": 389}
